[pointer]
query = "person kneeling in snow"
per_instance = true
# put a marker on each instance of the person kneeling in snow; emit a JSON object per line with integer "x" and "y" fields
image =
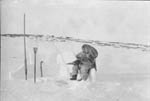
{"x": 84, "y": 63}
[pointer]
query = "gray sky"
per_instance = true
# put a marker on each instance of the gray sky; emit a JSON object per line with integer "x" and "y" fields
{"x": 86, "y": 19}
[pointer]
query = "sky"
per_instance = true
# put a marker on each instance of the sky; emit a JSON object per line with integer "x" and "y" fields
{"x": 123, "y": 21}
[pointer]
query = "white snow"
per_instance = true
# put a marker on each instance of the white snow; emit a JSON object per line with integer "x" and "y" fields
{"x": 123, "y": 74}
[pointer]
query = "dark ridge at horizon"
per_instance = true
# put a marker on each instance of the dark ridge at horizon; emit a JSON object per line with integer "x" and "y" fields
{"x": 142, "y": 47}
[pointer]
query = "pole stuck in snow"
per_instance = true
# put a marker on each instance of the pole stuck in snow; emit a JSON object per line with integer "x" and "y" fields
{"x": 41, "y": 68}
{"x": 25, "y": 56}
{"x": 35, "y": 51}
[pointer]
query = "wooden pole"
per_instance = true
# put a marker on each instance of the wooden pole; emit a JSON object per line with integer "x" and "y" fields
{"x": 35, "y": 51}
{"x": 0, "y": 50}
{"x": 25, "y": 56}
{"x": 41, "y": 68}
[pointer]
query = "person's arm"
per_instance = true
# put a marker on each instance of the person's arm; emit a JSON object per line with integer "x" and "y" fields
{"x": 76, "y": 62}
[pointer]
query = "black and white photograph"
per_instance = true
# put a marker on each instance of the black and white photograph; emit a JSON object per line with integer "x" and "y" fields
{"x": 74, "y": 50}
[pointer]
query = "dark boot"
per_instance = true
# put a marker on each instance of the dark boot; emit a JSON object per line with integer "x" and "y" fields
{"x": 74, "y": 77}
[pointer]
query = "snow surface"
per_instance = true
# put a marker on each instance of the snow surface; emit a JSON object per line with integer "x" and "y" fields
{"x": 123, "y": 74}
